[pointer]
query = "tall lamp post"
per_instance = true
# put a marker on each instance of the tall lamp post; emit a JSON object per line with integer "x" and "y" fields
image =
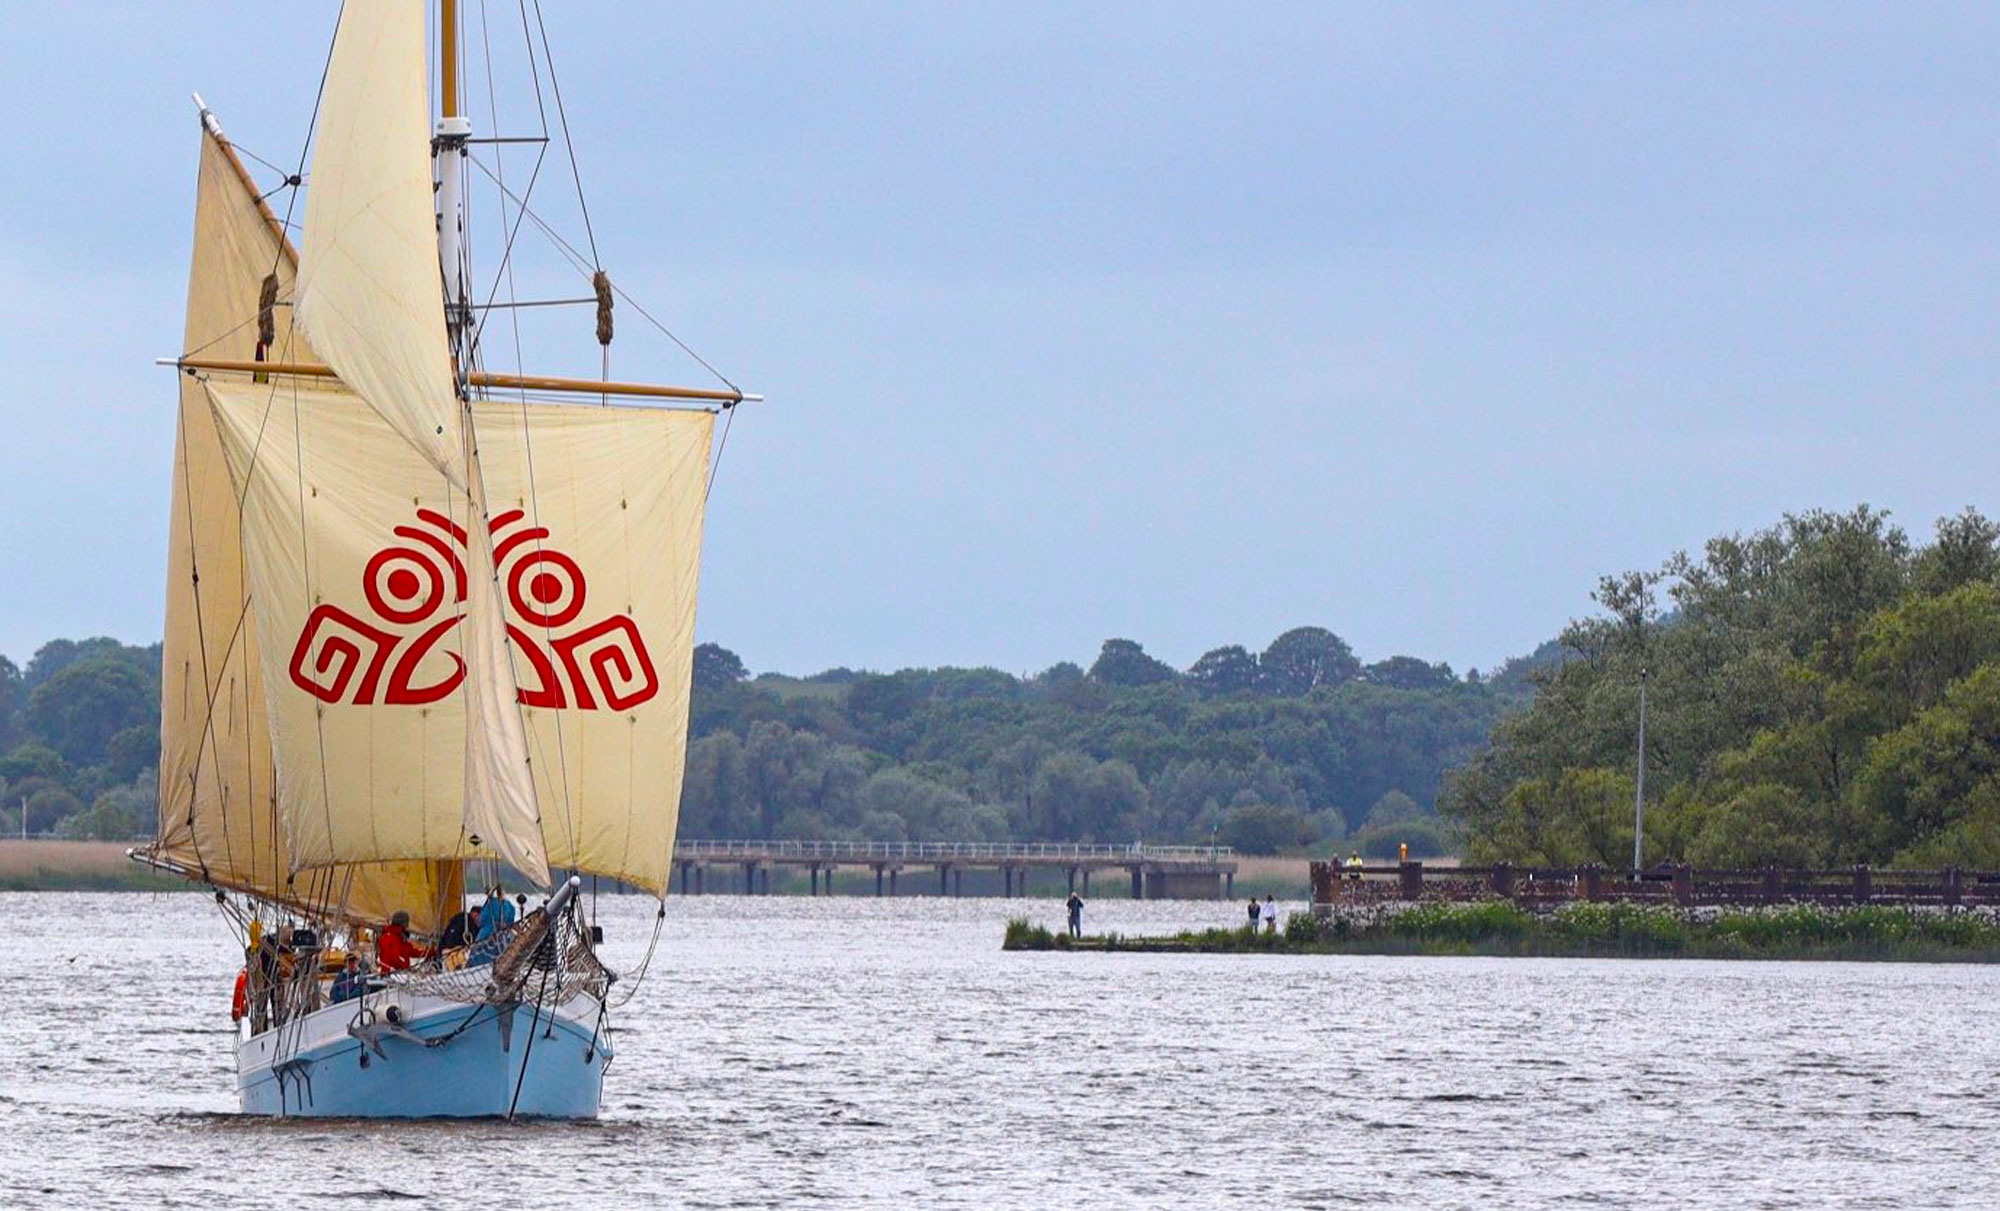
{"x": 1639, "y": 790}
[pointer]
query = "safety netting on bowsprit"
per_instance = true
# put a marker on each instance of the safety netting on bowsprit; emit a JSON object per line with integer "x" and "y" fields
{"x": 531, "y": 961}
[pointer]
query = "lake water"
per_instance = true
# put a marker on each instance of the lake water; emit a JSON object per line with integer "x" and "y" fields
{"x": 855, "y": 1052}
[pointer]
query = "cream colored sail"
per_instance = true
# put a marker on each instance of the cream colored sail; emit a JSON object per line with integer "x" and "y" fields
{"x": 218, "y": 814}
{"x": 371, "y": 298}
{"x": 360, "y": 561}
{"x": 370, "y": 292}
{"x": 609, "y": 530}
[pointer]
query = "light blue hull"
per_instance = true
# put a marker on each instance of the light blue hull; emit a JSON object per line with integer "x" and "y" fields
{"x": 551, "y": 1066}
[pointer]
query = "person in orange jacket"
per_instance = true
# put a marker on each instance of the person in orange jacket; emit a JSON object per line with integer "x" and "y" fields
{"x": 394, "y": 951}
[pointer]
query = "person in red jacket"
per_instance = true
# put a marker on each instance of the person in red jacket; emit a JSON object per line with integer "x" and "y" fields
{"x": 394, "y": 950}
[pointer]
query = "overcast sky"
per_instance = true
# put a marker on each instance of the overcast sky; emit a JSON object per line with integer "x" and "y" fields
{"x": 1181, "y": 322}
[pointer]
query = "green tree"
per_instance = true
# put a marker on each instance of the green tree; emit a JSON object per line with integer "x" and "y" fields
{"x": 78, "y": 709}
{"x": 1409, "y": 673}
{"x": 1225, "y": 670}
{"x": 121, "y": 814}
{"x": 13, "y": 695}
{"x": 49, "y": 806}
{"x": 1305, "y": 658}
{"x": 1122, "y": 662}
{"x": 716, "y": 667}
{"x": 1079, "y": 799}
{"x": 1259, "y": 828}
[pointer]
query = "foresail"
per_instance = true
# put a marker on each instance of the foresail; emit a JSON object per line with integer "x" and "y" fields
{"x": 218, "y": 814}
{"x": 370, "y": 292}
{"x": 361, "y": 561}
{"x": 371, "y": 298}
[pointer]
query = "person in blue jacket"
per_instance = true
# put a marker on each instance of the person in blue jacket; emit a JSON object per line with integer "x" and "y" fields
{"x": 496, "y": 914}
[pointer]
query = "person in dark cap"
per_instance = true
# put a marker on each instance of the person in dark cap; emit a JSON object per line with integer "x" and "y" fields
{"x": 395, "y": 950}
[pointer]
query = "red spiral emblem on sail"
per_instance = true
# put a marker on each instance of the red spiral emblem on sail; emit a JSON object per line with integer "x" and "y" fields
{"x": 412, "y": 589}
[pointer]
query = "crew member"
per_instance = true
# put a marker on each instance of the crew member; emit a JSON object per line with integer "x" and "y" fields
{"x": 349, "y": 984}
{"x": 394, "y": 951}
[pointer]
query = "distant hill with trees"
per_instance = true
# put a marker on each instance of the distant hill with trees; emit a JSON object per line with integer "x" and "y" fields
{"x": 1300, "y": 744}
{"x": 1296, "y": 746}
{"x": 1819, "y": 693}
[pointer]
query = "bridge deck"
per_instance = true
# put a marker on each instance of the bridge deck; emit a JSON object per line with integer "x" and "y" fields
{"x": 1157, "y": 871}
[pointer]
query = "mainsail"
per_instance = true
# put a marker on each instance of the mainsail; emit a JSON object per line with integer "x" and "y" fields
{"x": 357, "y": 556}
{"x": 371, "y": 298}
{"x": 218, "y": 814}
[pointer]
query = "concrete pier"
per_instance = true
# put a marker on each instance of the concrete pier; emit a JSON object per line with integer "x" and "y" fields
{"x": 1152, "y": 871}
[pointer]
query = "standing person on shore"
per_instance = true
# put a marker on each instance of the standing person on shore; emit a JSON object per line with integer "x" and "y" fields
{"x": 1254, "y": 912}
{"x": 1270, "y": 915}
{"x": 1075, "y": 906}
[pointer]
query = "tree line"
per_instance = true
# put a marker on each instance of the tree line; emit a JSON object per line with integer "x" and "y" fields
{"x": 1821, "y": 692}
{"x": 1298, "y": 746}
{"x": 1295, "y": 746}
{"x": 80, "y": 734}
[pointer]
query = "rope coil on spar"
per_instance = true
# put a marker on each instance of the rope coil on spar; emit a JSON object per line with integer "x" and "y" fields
{"x": 267, "y": 302}
{"x": 600, "y": 282}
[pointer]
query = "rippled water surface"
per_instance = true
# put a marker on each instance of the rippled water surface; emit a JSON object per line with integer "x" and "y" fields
{"x": 856, "y": 1052}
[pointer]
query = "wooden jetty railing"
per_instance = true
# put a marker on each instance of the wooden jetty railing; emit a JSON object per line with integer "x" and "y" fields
{"x": 1676, "y": 884}
{"x": 1157, "y": 871}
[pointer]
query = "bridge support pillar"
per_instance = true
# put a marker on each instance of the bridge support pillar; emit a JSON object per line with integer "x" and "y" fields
{"x": 892, "y": 880}
{"x": 944, "y": 879}
{"x": 1410, "y": 881}
{"x": 1086, "y": 881}
{"x": 701, "y": 879}
{"x": 764, "y": 881}
{"x": 958, "y": 881}
{"x": 1138, "y": 882}
{"x": 814, "y": 869}
{"x": 878, "y": 880}
{"x": 1072, "y": 879}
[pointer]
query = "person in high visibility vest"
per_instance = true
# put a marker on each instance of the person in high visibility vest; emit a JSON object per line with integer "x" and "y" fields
{"x": 1354, "y": 865}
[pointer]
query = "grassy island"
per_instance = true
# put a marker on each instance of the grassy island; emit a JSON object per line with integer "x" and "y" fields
{"x": 1585, "y": 930}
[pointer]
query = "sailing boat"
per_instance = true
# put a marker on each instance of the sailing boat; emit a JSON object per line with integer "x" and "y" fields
{"x": 422, "y": 618}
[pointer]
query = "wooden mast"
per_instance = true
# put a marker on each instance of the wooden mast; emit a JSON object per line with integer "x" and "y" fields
{"x": 448, "y": 58}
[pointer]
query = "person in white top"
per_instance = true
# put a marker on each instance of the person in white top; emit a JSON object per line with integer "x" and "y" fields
{"x": 1270, "y": 915}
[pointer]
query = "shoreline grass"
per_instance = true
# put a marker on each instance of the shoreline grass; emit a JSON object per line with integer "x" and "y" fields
{"x": 1498, "y": 928}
